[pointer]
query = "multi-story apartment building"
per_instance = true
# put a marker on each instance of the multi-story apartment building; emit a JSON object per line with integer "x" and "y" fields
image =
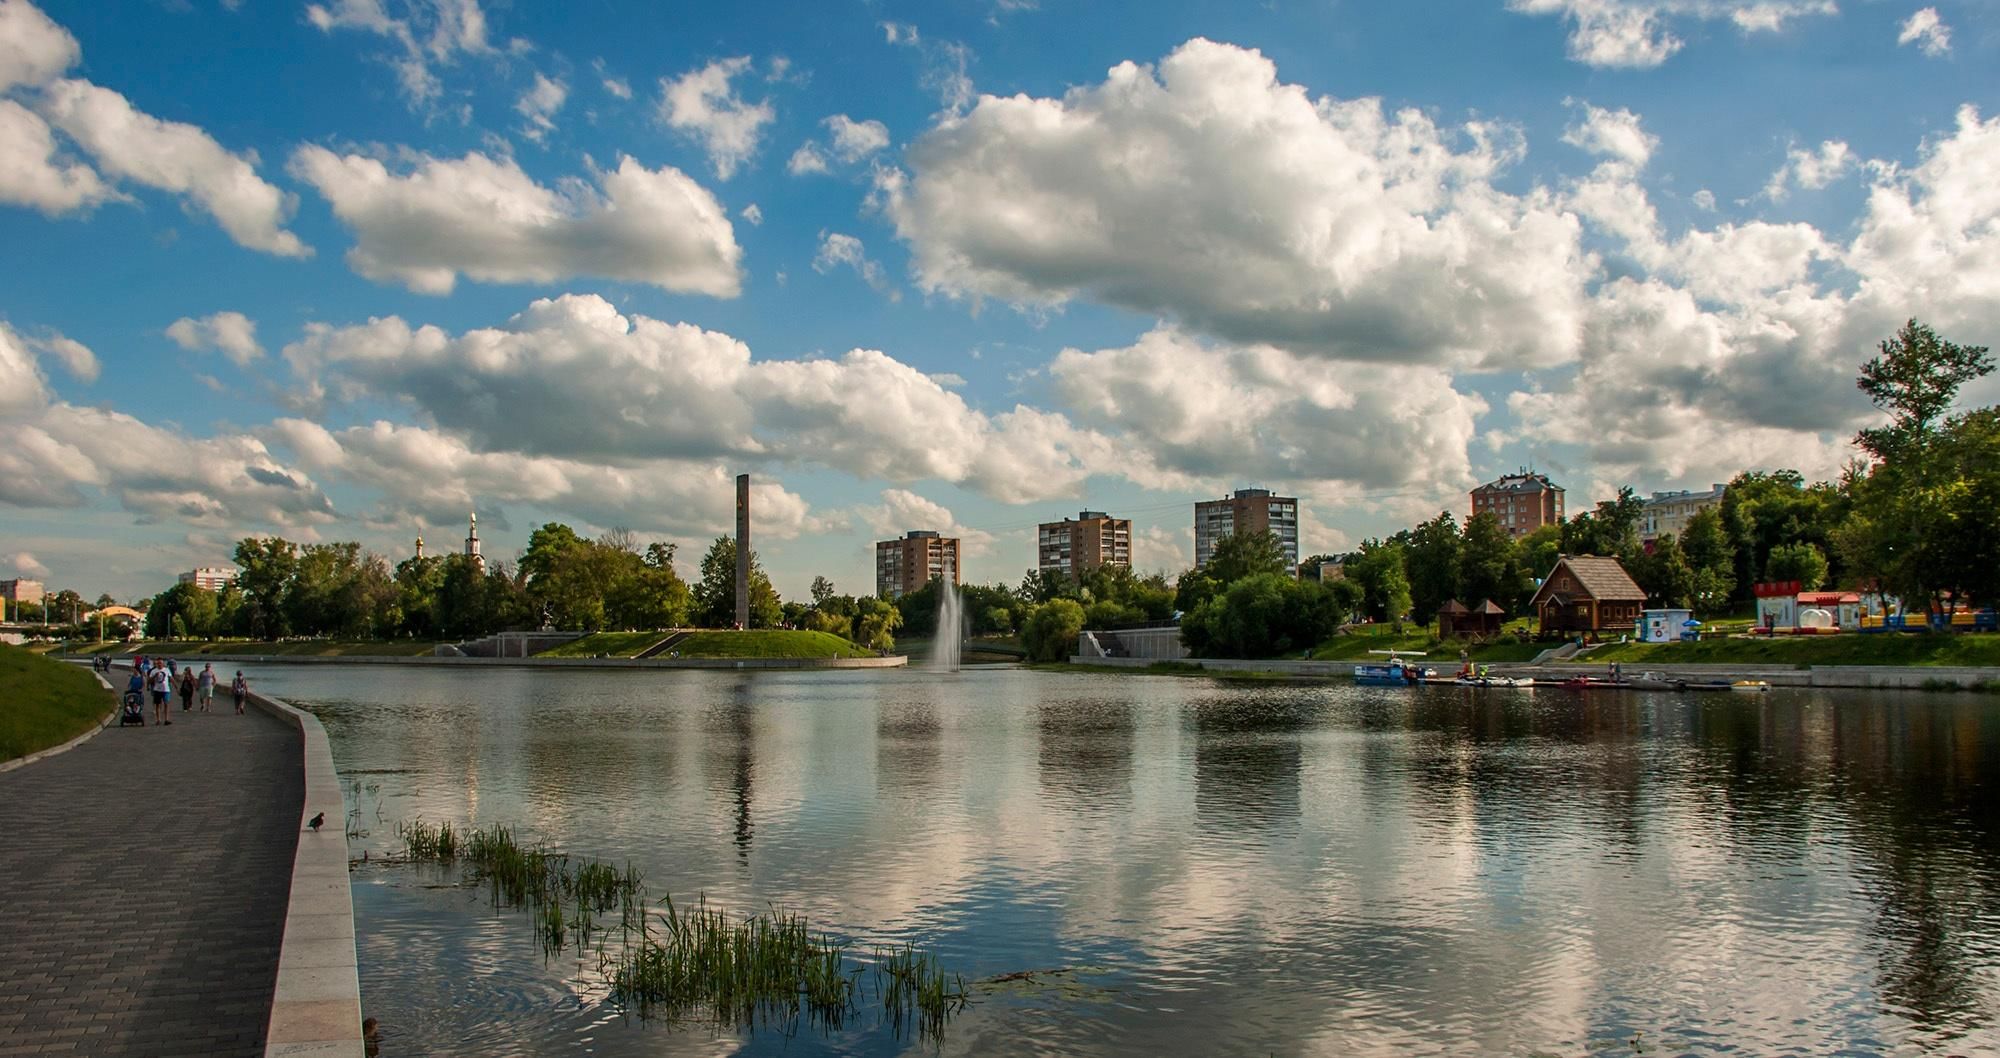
{"x": 1248, "y": 511}
{"x": 210, "y": 578}
{"x": 910, "y": 562}
{"x": 1668, "y": 513}
{"x": 1523, "y": 502}
{"x": 1075, "y": 546}
{"x": 15, "y": 592}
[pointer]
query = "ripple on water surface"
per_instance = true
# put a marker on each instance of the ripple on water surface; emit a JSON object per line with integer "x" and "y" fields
{"x": 1201, "y": 867}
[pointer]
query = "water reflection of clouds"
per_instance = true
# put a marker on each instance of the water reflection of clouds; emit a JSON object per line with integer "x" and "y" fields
{"x": 1274, "y": 868}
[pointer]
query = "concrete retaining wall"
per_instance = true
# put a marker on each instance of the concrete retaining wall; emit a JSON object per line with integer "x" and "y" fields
{"x": 316, "y": 1008}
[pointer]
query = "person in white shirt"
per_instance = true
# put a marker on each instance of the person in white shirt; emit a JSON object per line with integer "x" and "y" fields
{"x": 161, "y": 683}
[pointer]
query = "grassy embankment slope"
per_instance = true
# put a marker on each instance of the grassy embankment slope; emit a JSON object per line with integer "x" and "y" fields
{"x": 605, "y": 644}
{"x": 757, "y": 643}
{"x": 326, "y": 648}
{"x": 1354, "y": 645}
{"x": 1805, "y": 651}
{"x": 47, "y": 702}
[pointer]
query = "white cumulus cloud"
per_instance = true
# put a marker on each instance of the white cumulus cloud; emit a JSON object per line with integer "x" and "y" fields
{"x": 703, "y": 104}
{"x": 837, "y": 250}
{"x": 1615, "y": 133}
{"x": 232, "y": 334}
{"x": 1639, "y": 33}
{"x": 902, "y": 510}
{"x": 575, "y": 379}
{"x": 1209, "y": 191}
{"x": 1927, "y": 31}
{"x": 176, "y": 157}
{"x": 854, "y": 140}
{"x": 33, "y": 171}
{"x": 485, "y": 218}
{"x": 425, "y": 32}
{"x": 1810, "y": 169}
{"x": 33, "y": 48}
{"x": 539, "y": 105}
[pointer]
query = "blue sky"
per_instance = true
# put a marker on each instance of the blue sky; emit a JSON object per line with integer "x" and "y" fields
{"x": 347, "y": 269}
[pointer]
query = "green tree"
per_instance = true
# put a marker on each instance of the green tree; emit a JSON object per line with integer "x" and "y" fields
{"x": 648, "y": 592}
{"x": 1430, "y": 561}
{"x": 1538, "y": 552}
{"x": 181, "y": 611}
{"x": 1266, "y": 615}
{"x": 1916, "y": 378}
{"x": 1050, "y": 633}
{"x": 822, "y": 590}
{"x": 267, "y": 567}
{"x": 875, "y": 624}
{"x": 1240, "y": 555}
{"x": 1611, "y": 529}
{"x": 1804, "y": 563}
{"x": 714, "y": 595}
{"x": 1385, "y": 586}
{"x": 1489, "y": 565}
{"x": 1666, "y": 575}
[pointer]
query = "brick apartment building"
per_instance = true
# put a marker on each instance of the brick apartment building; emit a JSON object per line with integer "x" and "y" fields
{"x": 1523, "y": 502}
{"x": 1247, "y": 511}
{"x": 911, "y": 561}
{"x": 1075, "y": 546}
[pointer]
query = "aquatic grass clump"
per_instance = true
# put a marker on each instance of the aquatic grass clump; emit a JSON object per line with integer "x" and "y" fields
{"x": 915, "y": 990}
{"x": 704, "y": 965}
{"x": 691, "y": 963}
{"x": 424, "y": 843}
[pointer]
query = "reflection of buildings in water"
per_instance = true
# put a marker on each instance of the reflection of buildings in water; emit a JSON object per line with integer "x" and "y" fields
{"x": 908, "y": 744}
{"x": 1247, "y": 761}
{"x": 1085, "y": 752}
{"x": 730, "y": 765}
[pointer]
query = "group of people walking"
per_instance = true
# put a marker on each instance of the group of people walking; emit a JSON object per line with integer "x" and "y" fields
{"x": 163, "y": 678}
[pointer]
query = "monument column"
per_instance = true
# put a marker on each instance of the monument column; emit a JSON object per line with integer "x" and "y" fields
{"x": 742, "y": 550}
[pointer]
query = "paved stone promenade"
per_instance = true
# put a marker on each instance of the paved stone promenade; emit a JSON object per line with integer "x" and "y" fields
{"x": 143, "y": 881}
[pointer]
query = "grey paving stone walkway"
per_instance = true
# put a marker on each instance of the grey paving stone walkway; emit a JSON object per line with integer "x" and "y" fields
{"x": 143, "y": 881}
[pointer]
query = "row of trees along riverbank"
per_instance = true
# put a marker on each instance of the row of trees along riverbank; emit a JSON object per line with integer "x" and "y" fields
{"x": 1916, "y": 512}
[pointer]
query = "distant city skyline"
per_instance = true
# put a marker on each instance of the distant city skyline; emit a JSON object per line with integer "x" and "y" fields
{"x": 338, "y": 270}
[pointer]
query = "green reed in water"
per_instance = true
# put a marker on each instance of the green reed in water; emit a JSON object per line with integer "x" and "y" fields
{"x": 692, "y": 962}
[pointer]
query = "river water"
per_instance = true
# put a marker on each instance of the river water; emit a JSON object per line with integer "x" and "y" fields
{"x": 1217, "y": 868}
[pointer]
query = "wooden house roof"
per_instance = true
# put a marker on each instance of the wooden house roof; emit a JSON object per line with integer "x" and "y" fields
{"x": 1490, "y": 607}
{"x": 1600, "y": 579}
{"x": 1453, "y": 606}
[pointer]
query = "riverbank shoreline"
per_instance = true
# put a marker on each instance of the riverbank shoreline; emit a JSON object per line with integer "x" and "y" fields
{"x": 1852, "y": 677}
{"x": 892, "y": 662}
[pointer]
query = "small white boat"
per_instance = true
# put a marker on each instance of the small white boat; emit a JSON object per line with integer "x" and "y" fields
{"x": 1750, "y": 686}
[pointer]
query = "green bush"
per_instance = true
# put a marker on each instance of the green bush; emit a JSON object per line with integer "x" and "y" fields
{"x": 1051, "y": 631}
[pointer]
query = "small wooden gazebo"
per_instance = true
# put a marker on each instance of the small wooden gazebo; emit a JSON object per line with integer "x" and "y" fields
{"x": 1451, "y": 616}
{"x": 1486, "y": 618}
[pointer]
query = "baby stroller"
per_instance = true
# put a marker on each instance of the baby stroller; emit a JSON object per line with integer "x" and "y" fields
{"x": 132, "y": 709}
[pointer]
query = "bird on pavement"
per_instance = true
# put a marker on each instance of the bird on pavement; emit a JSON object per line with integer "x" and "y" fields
{"x": 316, "y": 821}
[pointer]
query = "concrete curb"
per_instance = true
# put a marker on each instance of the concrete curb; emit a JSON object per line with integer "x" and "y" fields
{"x": 40, "y": 754}
{"x": 316, "y": 1007}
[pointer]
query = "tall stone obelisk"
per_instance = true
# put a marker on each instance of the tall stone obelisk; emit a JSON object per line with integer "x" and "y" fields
{"x": 742, "y": 550}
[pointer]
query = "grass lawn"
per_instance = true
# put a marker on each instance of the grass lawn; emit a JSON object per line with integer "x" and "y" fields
{"x": 1355, "y": 645}
{"x": 1802, "y": 651}
{"x": 608, "y": 644}
{"x": 767, "y": 643}
{"x": 47, "y": 702}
